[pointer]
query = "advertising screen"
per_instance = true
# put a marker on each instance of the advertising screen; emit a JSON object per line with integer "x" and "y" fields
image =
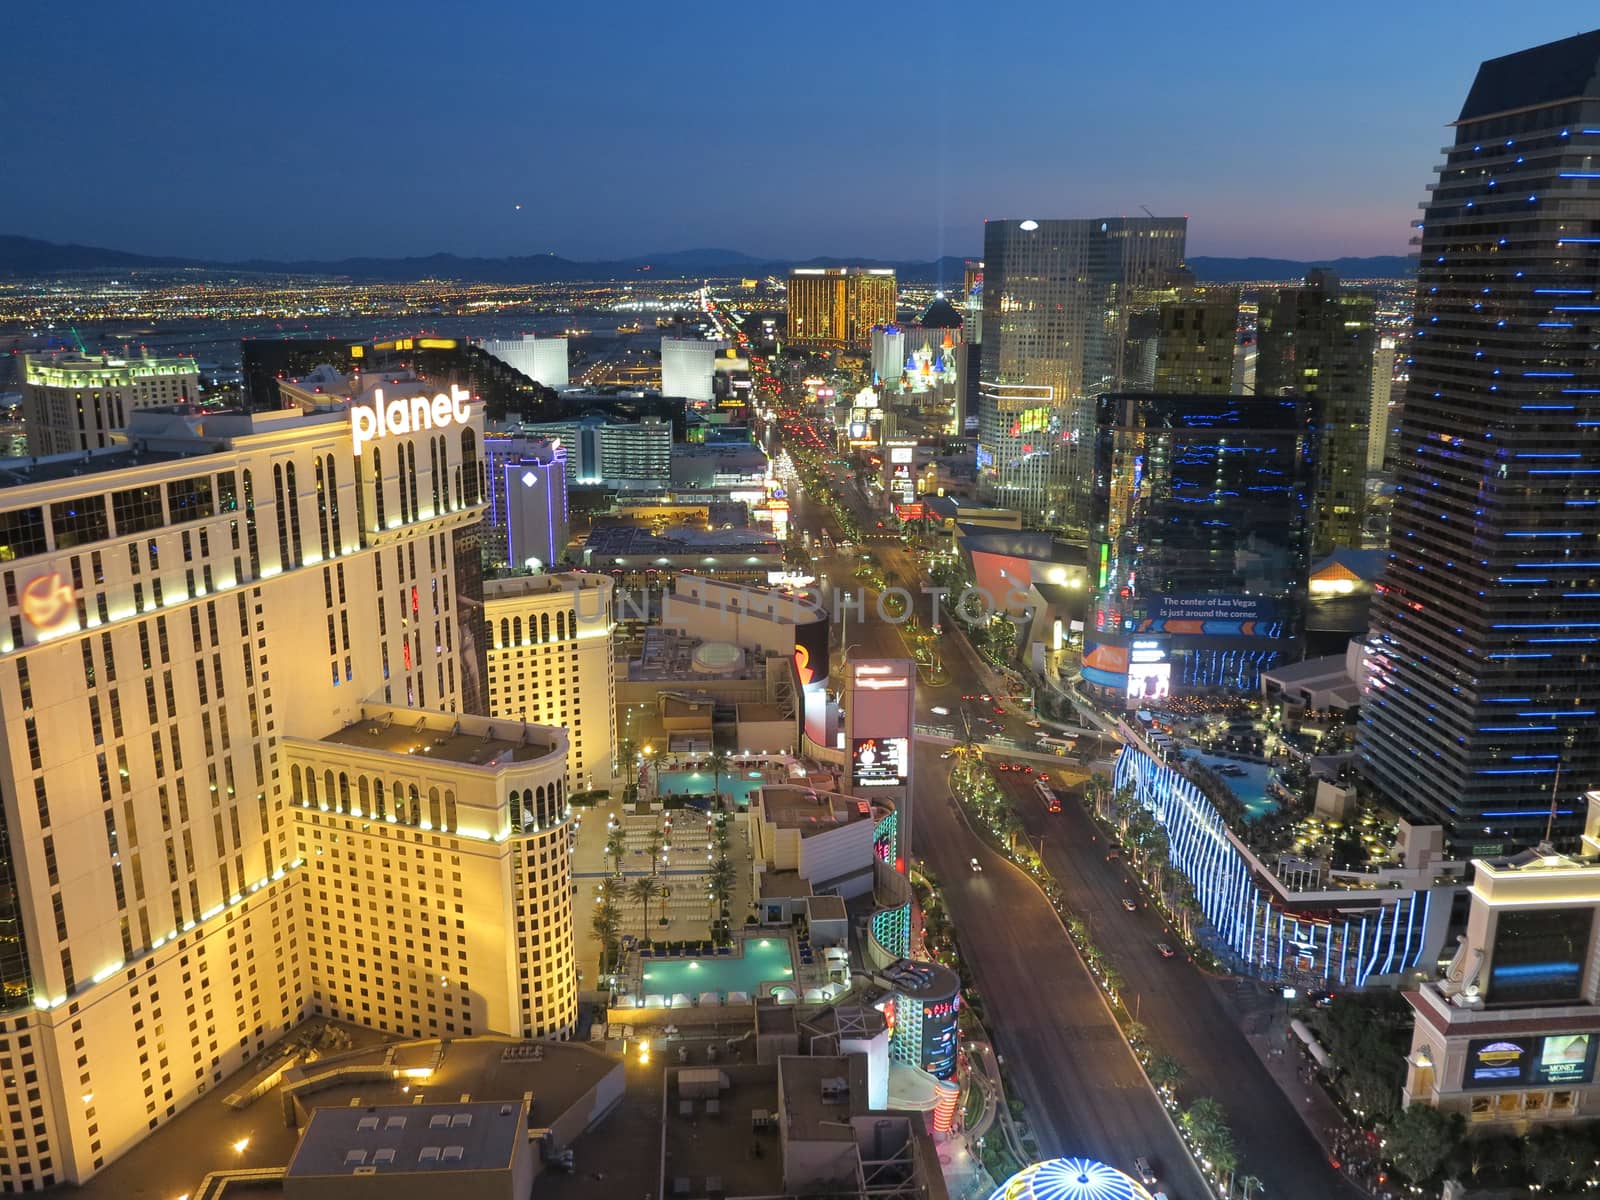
{"x": 1510, "y": 1062}
{"x": 901, "y": 454}
{"x": 1539, "y": 956}
{"x": 1149, "y": 681}
{"x": 811, "y": 653}
{"x": 1220, "y": 614}
{"x": 879, "y": 762}
{"x": 1497, "y": 1062}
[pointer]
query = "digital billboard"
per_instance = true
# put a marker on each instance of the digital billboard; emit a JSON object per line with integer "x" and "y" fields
{"x": 879, "y": 762}
{"x": 1214, "y": 615}
{"x": 1539, "y": 956}
{"x": 811, "y": 653}
{"x": 1149, "y": 681}
{"x": 1514, "y": 1062}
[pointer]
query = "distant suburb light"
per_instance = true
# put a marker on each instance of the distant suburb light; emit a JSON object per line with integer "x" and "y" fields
{"x": 1029, "y": 226}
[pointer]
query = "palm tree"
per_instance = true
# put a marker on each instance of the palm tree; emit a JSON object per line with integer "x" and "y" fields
{"x": 643, "y": 890}
{"x": 1249, "y": 1183}
{"x": 606, "y": 924}
{"x": 1166, "y": 1072}
{"x": 719, "y": 764}
{"x": 626, "y": 749}
{"x": 719, "y": 882}
{"x": 1206, "y": 1123}
{"x": 656, "y": 845}
{"x": 615, "y": 849}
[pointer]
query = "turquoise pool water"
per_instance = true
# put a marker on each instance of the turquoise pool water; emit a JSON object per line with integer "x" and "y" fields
{"x": 1251, "y": 787}
{"x": 738, "y": 784}
{"x": 765, "y": 960}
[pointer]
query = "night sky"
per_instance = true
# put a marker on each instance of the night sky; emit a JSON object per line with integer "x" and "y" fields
{"x": 237, "y": 128}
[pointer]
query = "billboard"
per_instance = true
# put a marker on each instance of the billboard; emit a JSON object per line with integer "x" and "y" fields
{"x": 879, "y": 762}
{"x": 1105, "y": 665}
{"x": 1222, "y": 614}
{"x": 1149, "y": 681}
{"x": 1539, "y": 956}
{"x": 1515, "y": 1062}
{"x": 811, "y": 653}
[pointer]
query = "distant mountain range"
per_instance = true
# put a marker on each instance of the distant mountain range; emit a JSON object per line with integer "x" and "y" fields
{"x": 23, "y": 257}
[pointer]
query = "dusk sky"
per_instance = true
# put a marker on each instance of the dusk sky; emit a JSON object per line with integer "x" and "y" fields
{"x": 349, "y": 127}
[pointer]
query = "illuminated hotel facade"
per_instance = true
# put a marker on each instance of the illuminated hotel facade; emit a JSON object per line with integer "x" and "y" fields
{"x": 838, "y": 306}
{"x": 1374, "y": 929}
{"x": 1510, "y": 1035}
{"x": 1481, "y": 713}
{"x": 550, "y": 663}
{"x": 76, "y": 402}
{"x": 186, "y": 616}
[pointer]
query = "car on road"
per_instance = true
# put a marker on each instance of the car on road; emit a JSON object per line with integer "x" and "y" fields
{"x": 946, "y": 753}
{"x": 1143, "y": 1169}
{"x": 1035, "y": 725}
{"x": 1129, "y": 905}
{"x": 1166, "y": 950}
{"x": 976, "y": 865}
{"x": 1113, "y": 857}
{"x": 939, "y": 710}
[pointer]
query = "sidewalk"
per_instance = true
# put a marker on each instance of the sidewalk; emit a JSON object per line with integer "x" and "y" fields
{"x": 1265, "y": 1022}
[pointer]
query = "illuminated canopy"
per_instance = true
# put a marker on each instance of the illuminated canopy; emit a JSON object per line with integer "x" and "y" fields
{"x": 1069, "y": 1179}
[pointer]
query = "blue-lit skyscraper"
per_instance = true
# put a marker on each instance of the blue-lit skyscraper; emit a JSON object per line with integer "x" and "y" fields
{"x": 1485, "y": 663}
{"x": 1200, "y": 541}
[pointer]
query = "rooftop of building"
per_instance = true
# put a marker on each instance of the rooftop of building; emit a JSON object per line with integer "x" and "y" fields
{"x": 808, "y": 810}
{"x": 213, "y": 1135}
{"x": 699, "y": 590}
{"x": 1540, "y": 75}
{"x": 506, "y": 586}
{"x": 473, "y": 1136}
{"x": 919, "y": 980}
{"x": 825, "y": 908}
{"x": 465, "y": 740}
{"x": 681, "y": 539}
{"x": 819, "y": 1095}
{"x": 17, "y": 472}
{"x": 70, "y": 363}
{"x": 1021, "y": 543}
{"x": 670, "y": 656}
{"x": 728, "y": 1150}
{"x": 940, "y": 314}
{"x": 1349, "y": 563}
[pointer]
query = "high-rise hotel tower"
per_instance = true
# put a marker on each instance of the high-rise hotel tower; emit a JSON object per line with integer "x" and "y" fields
{"x": 1485, "y": 657}
{"x": 1057, "y": 296}
{"x": 240, "y": 784}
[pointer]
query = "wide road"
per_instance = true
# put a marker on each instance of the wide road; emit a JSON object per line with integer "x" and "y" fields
{"x": 1065, "y": 1055}
{"x": 1185, "y": 1010}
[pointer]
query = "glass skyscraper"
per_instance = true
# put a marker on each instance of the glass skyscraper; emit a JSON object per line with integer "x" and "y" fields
{"x": 1319, "y": 340}
{"x": 1056, "y": 300}
{"x": 1485, "y": 657}
{"x": 1200, "y": 542}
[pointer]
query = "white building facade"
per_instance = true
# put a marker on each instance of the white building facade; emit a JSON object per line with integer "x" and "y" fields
{"x": 542, "y": 359}
{"x": 687, "y": 365}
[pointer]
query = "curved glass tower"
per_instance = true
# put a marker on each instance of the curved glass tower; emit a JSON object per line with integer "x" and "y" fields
{"x": 1485, "y": 659}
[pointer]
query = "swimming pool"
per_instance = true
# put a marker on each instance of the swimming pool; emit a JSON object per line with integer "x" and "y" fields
{"x": 765, "y": 960}
{"x": 736, "y": 783}
{"x": 1250, "y": 788}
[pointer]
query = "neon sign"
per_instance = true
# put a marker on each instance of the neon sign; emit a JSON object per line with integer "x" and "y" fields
{"x": 411, "y": 415}
{"x": 46, "y": 601}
